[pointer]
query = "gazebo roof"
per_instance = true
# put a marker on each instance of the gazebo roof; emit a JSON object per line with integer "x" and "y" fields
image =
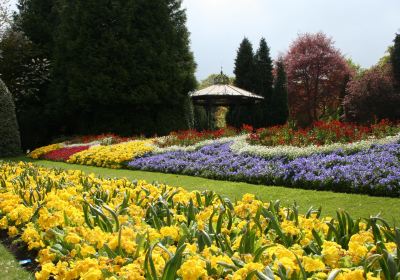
{"x": 224, "y": 94}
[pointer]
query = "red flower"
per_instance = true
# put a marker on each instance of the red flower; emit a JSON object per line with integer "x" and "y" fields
{"x": 65, "y": 153}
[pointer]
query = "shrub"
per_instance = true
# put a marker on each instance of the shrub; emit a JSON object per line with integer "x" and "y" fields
{"x": 372, "y": 97}
{"x": 10, "y": 142}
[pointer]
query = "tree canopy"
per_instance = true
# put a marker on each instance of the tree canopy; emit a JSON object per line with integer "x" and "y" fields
{"x": 317, "y": 73}
{"x": 279, "y": 111}
{"x": 263, "y": 81}
{"x": 124, "y": 67}
{"x": 372, "y": 97}
{"x": 395, "y": 60}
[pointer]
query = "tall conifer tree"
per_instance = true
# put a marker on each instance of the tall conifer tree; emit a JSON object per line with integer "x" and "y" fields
{"x": 395, "y": 60}
{"x": 263, "y": 80}
{"x": 38, "y": 20}
{"x": 125, "y": 67}
{"x": 244, "y": 66}
{"x": 279, "y": 99}
{"x": 244, "y": 78}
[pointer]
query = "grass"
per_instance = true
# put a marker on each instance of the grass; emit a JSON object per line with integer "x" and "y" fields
{"x": 358, "y": 206}
{"x": 10, "y": 268}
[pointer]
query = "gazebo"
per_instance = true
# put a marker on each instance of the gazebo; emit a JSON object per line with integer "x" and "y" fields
{"x": 222, "y": 94}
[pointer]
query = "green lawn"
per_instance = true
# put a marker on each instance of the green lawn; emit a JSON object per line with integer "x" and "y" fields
{"x": 357, "y": 205}
{"x": 9, "y": 267}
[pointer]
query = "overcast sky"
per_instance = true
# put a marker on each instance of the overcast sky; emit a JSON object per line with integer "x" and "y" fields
{"x": 361, "y": 29}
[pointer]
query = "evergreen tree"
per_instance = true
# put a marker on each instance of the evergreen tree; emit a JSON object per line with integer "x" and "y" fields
{"x": 244, "y": 66}
{"x": 263, "y": 80}
{"x": 395, "y": 60}
{"x": 26, "y": 76}
{"x": 10, "y": 143}
{"x": 124, "y": 68}
{"x": 32, "y": 33}
{"x": 189, "y": 113}
{"x": 244, "y": 78}
{"x": 279, "y": 99}
{"x": 38, "y": 20}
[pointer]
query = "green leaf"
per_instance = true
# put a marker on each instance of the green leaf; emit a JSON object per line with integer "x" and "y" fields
{"x": 333, "y": 274}
{"x": 173, "y": 264}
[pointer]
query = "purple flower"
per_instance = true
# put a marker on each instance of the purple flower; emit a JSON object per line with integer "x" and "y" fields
{"x": 374, "y": 171}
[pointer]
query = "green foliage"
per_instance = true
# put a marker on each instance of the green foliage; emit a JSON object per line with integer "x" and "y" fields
{"x": 129, "y": 75}
{"x": 356, "y": 68}
{"x": 279, "y": 110}
{"x": 210, "y": 80}
{"x": 200, "y": 118}
{"x": 189, "y": 113}
{"x": 27, "y": 76}
{"x": 244, "y": 78}
{"x": 395, "y": 60}
{"x": 38, "y": 19}
{"x": 263, "y": 80}
{"x": 244, "y": 66}
{"x": 253, "y": 73}
{"x": 123, "y": 68}
{"x": 10, "y": 143}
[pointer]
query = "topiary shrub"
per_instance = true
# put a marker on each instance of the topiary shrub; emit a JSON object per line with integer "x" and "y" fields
{"x": 10, "y": 142}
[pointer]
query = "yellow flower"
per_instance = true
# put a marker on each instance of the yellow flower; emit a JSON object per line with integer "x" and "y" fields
{"x": 3, "y": 223}
{"x": 72, "y": 238}
{"x": 332, "y": 252}
{"x": 248, "y": 268}
{"x": 32, "y": 237}
{"x": 46, "y": 256}
{"x": 90, "y": 247}
{"x": 193, "y": 269}
{"x": 113, "y": 155}
{"x": 87, "y": 250}
{"x": 46, "y": 271}
{"x": 290, "y": 228}
{"x": 12, "y": 231}
{"x": 312, "y": 265}
{"x": 357, "y": 274}
{"x": 92, "y": 274}
{"x": 171, "y": 232}
{"x": 44, "y": 150}
{"x": 358, "y": 245}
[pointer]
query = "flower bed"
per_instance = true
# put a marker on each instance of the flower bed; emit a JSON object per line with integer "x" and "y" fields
{"x": 112, "y": 156}
{"x": 241, "y": 146}
{"x": 192, "y": 137}
{"x": 85, "y": 227}
{"x": 108, "y": 137}
{"x": 374, "y": 171}
{"x": 368, "y": 166}
{"x": 38, "y": 153}
{"x": 64, "y": 154}
{"x": 322, "y": 133}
